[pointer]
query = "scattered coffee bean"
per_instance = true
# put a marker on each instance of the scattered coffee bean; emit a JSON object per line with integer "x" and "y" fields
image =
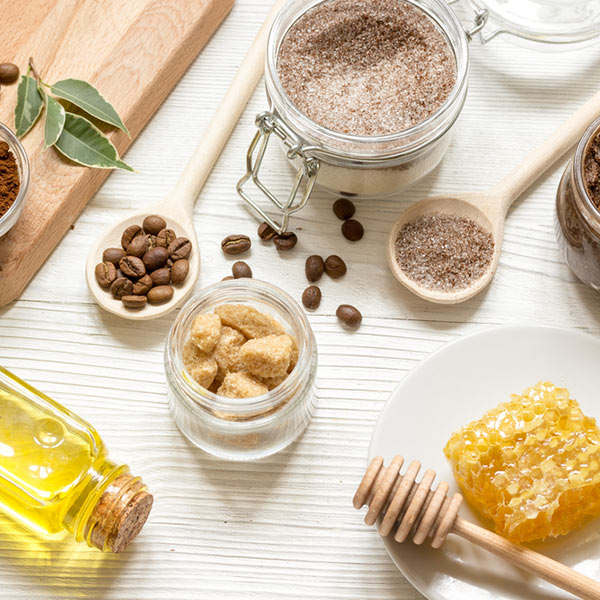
{"x": 335, "y": 267}
{"x": 348, "y": 315}
{"x": 113, "y": 255}
{"x": 179, "y": 248}
{"x": 142, "y": 286}
{"x": 265, "y": 231}
{"x": 227, "y": 278}
{"x": 106, "y": 273}
{"x": 9, "y": 73}
{"x": 134, "y": 301}
{"x": 132, "y": 266}
{"x": 314, "y": 268}
{"x": 165, "y": 237}
{"x": 160, "y": 294}
{"x": 353, "y": 230}
{"x": 154, "y": 224}
{"x": 344, "y": 209}
{"x": 235, "y": 244}
{"x": 179, "y": 270}
{"x": 121, "y": 287}
{"x": 311, "y": 297}
{"x": 155, "y": 258}
{"x": 129, "y": 234}
{"x": 161, "y": 276}
{"x": 241, "y": 269}
{"x": 138, "y": 246}
{"x": 285, "y": 241}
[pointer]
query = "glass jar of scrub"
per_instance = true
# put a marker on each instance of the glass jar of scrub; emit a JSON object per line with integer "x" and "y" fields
{"x": 578, "y": 209}
{"x": 10, "y": 210}
{"x": 240, "y": 428}
{"x": 364, "y": 94}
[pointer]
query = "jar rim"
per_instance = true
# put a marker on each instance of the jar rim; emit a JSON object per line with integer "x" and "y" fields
{"x": 592, "y": 212}
{"x": 253, "y": 408}
{"x": 403, "y": 142}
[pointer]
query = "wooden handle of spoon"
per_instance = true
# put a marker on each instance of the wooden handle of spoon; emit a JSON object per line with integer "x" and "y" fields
{"x": 556, "y": 573}
{"x": 545, "y": 155}
{"x": 225, "y": 118}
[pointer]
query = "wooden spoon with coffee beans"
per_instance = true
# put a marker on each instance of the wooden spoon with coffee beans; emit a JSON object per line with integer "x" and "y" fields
{"x": 177, "y": 208}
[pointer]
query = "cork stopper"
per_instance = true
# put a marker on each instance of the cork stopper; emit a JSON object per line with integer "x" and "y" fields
{"x": 120, "y": 514}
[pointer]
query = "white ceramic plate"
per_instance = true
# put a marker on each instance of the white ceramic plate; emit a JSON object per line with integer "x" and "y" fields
{"x": 454, "y": 386}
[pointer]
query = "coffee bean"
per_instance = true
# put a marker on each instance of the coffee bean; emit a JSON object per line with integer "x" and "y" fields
{"x": 179, "y": 248}
{"x": 353, "y": 230}
{"x": 165, "y": 237}
{"x": 348, "y": 315}
{"x": 161, "y": 276}
{"x": 314, "y": 267}
{"x": 155, "y": 258}
{"x": 113, "y": 255}
{"x": 335, "y": 267}
{"x": 132, "y": 267}
{"x": 160, "y": 294}
{"x": 106, "y": 273}
{"x": 152, "y": 241}
{"x": 138, "y": 246}
{"x": 179, "y": 271}
{"x": 121, "y": 287}
{"x": 344, "y": 209}
{"x": 265, "y": 232}
{"x": 241, "y": 269}
{"x": 285, "y": 241}
{"x": 227, "y": 278}
{"x": 153, "y": 224}
{"x": 129, "y": 234}
{"x": 134, "y": 301}
{"x": 235, "y": 244}
{"x": 9, "y": 73}
{"x": 311, "y": 297}
{"x": 142, "y": 286}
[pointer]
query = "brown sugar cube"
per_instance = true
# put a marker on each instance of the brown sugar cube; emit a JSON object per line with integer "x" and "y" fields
{"x": 273, "y": 382}
{"x": 241, "y": 385}
{"x": 206, "y": 331}
{"x": 267, "y": 356}
{"x": 201, "y": 366}
{"x": 227, "y": 352}
{"x": 295, "y": 353}
{"x": 251, "y": 322}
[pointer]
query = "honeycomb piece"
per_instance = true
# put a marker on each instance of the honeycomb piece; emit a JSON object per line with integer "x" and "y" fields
{"x": 248, "y": 320}
{"x": 241, "y": 385}
{"x": 227, "y": 352}
{"x": 201, "y": 366}
{"x": 532, "y": 464}
{"x": 206, "y": 331}
{"x": 267, "y": 356}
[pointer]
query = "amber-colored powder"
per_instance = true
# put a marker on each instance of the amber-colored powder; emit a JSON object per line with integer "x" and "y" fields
{"x": 9, "y": 178}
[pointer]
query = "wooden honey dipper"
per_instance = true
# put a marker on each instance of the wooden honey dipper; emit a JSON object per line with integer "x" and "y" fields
{"x": 422, "y": 512}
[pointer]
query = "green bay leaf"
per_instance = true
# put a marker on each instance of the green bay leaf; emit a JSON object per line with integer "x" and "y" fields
{"x": 29, "y": 105}
{"x": 84, "y": 143}
{"x": 55, "y": 121}
{"x": 88, "y": 98}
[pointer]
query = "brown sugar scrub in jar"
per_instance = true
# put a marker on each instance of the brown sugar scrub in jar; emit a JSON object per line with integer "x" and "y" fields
{"x": 578, "y": 209}
{"x": 363, "y": 94}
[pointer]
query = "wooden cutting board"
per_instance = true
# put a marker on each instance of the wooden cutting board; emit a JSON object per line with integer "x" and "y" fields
{"x": 134, "y": 52}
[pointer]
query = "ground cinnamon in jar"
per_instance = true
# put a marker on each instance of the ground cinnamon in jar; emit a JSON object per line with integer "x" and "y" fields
{"x": 10, "y": 181}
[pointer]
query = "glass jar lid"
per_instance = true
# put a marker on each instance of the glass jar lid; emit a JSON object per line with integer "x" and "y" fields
{"x": 550, "y": 21}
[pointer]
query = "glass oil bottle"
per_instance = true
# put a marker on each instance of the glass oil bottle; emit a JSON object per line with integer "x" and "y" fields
{"x": 55, "y": 474}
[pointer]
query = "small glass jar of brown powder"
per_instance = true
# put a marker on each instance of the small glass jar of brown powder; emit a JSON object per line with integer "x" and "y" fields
{"x": 578, "y": 209}
{"x": 238, "y": 411}
{"x": 14, "y": 179}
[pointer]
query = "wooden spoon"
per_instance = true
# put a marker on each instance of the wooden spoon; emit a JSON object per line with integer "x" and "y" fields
{"x": 177, "y": 208}
{"x": 488, "y": 209}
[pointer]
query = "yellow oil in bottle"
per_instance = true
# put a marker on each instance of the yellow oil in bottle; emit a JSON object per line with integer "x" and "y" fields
{"x": 55, "y": 474}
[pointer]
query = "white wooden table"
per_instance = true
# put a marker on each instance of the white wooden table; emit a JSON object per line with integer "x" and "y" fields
{"x": 282, "y": 528}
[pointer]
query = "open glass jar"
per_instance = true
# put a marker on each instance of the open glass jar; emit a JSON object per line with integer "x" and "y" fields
{"x": 578, "y": 217}
{"x": 247, "y": 428}
{"x": 379, "y": 166}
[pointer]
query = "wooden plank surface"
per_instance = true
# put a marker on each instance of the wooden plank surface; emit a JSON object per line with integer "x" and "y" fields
{"x": 282, "y": 529}
{"x": 134, "y": 52}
